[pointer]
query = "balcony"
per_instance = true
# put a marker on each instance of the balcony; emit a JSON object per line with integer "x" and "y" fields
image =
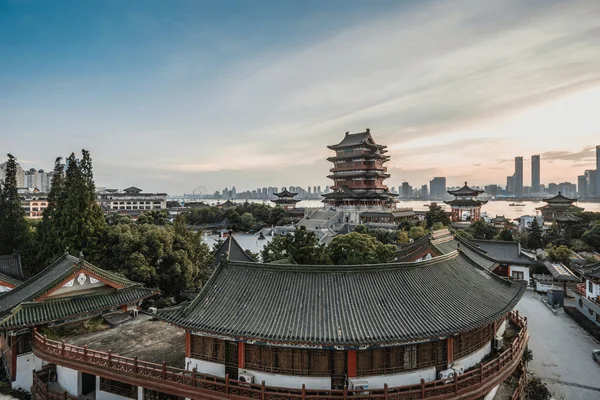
{"x": 580, "y": 289}
{"x": 473, "y": 384}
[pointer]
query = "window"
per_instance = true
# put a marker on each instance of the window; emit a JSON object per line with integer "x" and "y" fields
{"x": 207, "y": 349}
{"x": 469, "y": 342}
{"x": 289, "y": 361}
{"x": 119, "y": 388}
{"x": 24, "y": 343}
{"x": 590, "y": 287}
{"x": 518, "y": 275}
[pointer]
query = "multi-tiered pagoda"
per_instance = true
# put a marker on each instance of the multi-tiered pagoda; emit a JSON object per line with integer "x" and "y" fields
{"x": 358, "y": 173}
{"x": 465, "y": 201}
{"x": 285, "y": 199}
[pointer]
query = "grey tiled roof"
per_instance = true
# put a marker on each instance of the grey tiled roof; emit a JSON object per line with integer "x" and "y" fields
{"x": 465, "y": 191}
{"x": 353, "y": 139}
{"x": 324, "y": 305}
{"x": 10, "y": 269}
{"x": 504, "y": 252}
{"x": 50, "y": 277}
{"x": 233, "y": 249}
{"x": 58, "y": 310}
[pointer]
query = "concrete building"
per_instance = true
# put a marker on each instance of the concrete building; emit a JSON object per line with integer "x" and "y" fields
{"x": 20, "y": 174}
{"x": 510, "y": 184}
{"x": 591, "y": 183}
{"x": 535, "y": 174}
{"x": 130, "y": 200}
{"x": 581, "y": 184}
{"x": 518, "y": 176}
{"x": 437, "y": 188}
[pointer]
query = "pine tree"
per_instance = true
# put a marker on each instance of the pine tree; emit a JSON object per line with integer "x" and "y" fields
{"x": 14, "y": 228}
{"x": 49, "y": 239}
{"x": 534, "y": 240}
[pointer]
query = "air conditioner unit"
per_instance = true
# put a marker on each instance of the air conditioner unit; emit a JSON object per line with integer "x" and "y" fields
{"x": 358, "y": 384}
{"x": 458, "y": 369}
{"x": 134, "y": 313}
{"x": 447, "y": 374}
{"x": 498, "y": 343}
{"x": 152, "y": 310}
{"x": 246, "y": 378}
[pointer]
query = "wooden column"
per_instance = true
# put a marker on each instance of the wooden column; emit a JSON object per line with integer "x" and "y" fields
{"x": 351, "y": 363}
{"x": 241, "y": 355}
{"x": 450, "y": 348}
{"x": 508, "y": 270}
{"x": 188, "y": 344}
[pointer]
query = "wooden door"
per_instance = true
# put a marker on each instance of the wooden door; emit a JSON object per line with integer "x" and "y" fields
{"x": 231, "y": 359}
{"x": 339, "y": 371}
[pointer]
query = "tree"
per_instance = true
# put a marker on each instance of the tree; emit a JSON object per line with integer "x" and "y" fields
{"x": 506, "y": 235}
{"x": 482, "y": 230}
{"x": 592, "y": 236}
{"x": 302, "y": 247}
{"x": 417, "y": 232}
{"x": 14, "y": 228}
{"x": 436, "y": 214}
{"x": 560, "y": 254}
{"x": 361, "y": 229}
{"x": 537, "y": 390}
{"x": 534, "y": 239}
{"x": 48, "y": 237}
{"x": 358, "y": 248}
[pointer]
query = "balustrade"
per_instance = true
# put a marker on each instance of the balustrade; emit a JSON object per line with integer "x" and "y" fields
{"x": 180, "y": 379}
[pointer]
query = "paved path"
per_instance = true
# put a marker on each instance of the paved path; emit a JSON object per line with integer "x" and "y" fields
{"x": 562, "y": 351}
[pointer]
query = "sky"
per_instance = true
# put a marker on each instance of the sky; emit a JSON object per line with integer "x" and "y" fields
{"x": 179, "y": 96}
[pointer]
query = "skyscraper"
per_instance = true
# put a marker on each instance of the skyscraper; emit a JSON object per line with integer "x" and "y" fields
{"x": 437, "y": 188}
{"x": 518, "y": 176}
{"x": 535, "y": 174}
{"x": 581, "y": 186}
{"x": 598, "y": 170}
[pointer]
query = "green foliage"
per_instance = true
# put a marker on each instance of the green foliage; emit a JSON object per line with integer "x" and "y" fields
{"x": 537, "y": 390}
{"x": 482, "y": 230}
{"x": 560, "y": 254}
{"x": 385, "y": 236}
{"x": 14, "y": 228}
{"x": 588, "y": 217}
{"x": 263, "y": 215}
{"x": 302, "y": 246}
{"x": 592, "y": 236}
{"x": 361, "y": 229}
{"x": 527, "y": 356}
{"x": 506, "y": 235}
{"x": 437, "y": 226}
{"x": 417, "y": 232}
{"x": 358, "y": 248}
{"x": 534, "y": 237}
{"x": 155, "y": 217}
{"x": 463, "y": 234}
{"x": 436, "y": 214}
{"x": 403, "y": 237}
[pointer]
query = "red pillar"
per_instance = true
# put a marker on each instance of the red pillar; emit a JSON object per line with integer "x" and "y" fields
{"x": 241, "y": 354}
{"x": 351, "y": 363}
{"x": 188, "y": 344}
{"x": 450, "y": 348}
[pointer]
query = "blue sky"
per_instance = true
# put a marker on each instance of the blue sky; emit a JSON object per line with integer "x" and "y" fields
{"x": 179, "y": 94}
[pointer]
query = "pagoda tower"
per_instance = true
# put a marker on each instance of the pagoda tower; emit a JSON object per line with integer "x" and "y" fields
{"x": 285, "y": 199}
{"x": 465, "y": 199}
{"x": 557, "y": 206}
{"x": 358, "y": 173}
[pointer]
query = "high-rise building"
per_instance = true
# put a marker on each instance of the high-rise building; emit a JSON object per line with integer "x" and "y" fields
{"x": 492, "y": 190}
{"x": 406, "y": 190}
{"x": 598, "y": 170}
{"x": 535, "y": 174}
{"x": 518, "y": 176}
{"x": 581, "y": 186}
{"x": 437, "y": 187}
{"x": 20, "y": 174}
{"x": 424, "y": 191}
{"x": 591, "y": 184}
{"x": 510, "y": 184}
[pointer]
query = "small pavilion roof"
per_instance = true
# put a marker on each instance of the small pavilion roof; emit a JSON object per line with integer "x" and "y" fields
{"x": 344, "y": 192}
{"x": 465, "y": 191}
{"x": 504, "y": 252}
{"x": 465, "y": 203}
{"x": 592, "y": 271}
{"x": 560, "y": 272}
{"x": 54, "y": 277}
{"x": 132, "y": 189}
{"x": 567, "y": 217}
{"x": 285, "y": 193}
{"x": 347, "y": 305}
{"x": 559, "y": 198}
{"x": 231, "y": 250}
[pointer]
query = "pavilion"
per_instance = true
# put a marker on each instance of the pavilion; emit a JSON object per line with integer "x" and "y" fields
{"x": 465, "y": 200}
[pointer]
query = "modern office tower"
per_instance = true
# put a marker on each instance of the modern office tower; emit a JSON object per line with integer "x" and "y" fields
{"x": 437, "y": 187}
{"x": 518, "y": 176}
{"x": 535, "y": 174}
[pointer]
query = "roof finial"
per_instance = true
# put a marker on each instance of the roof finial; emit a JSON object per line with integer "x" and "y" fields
{"x": 368, "y": 130}
{"x": 66, "y": 250}
{"x": 347, "y": 133}
{"x": 81, "y": 257}
{"x": 465, "y": 183}
{"x": 559, "y": 192}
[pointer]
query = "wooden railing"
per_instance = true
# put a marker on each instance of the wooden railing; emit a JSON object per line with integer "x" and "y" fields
{"x": 177, "y": 381}
{"x": 40, "y": 389}
{"x": 580, "y": 288}
{"x": 519, "y": 392}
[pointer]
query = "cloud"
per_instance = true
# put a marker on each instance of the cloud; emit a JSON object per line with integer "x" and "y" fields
{"x": 586, "y": 154}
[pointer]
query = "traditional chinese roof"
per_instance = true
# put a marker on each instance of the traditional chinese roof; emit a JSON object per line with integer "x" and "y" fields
{"x": 347, "y": 305}
{"x": 285, "y": 193}
{"x": 373, "y": 214}
{"x": 560, "y": 199}
{"x": 367, "y": 173}
{"x": 567, "y": 217}
{"x": 465, "y": 202}
{"x": 10, "y": 269}
{"x": 344, "y": 192}
{"x": 504, "y": 252}
{"x": 356, "y": 139}
{"x": 466, "y": 191}
{"x": 231, "y": 249}
{"x": 560, "y": 272}
{"x": 56, "y": 276}
{"x": 500, "y": 219}
{"x": 229, "y": 204}
{"x": 132, "y": 189}
{"x": 592, "y": 271}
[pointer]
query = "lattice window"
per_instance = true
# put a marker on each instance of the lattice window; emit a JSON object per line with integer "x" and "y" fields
{"x": 24, "y": 343}
{"x": 287, "y": 361}
{"x": 156, "y": 395}
{"x": 118, "y": 388}
{"x": 396, "y": 359}
{"x": 469, "y": 342}
{"x": 207, "y": 349}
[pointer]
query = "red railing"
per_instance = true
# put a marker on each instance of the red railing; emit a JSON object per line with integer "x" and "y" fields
{"x": 581, "y": 290}
{"x": 519, "y": 392}
{"x": 179, "y": 379}
{"x": 41, "y": 391}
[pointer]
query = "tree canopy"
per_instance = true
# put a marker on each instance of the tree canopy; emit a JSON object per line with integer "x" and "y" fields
{"x": 15, "y": 234}
{"x": 436, "y": 214}
{"x": 358, "y": 248}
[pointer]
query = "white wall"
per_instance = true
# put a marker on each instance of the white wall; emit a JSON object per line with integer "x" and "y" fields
{"x": 205, "y": 367}
{"x": 24, "y": 375}
{"x": 102, "y": 395}
{"x": 407, "y": 378}
{"x": 289, "y": 381}
{"x": 492, "y": 394}
{"x": 595, "y": 289}
{"x": 501, "y": 329}
{"x": 69, "y": 379}
{"x": 524, "y": 270}
{"x": 4, "y": 288}
{"x": 474, "y": 358}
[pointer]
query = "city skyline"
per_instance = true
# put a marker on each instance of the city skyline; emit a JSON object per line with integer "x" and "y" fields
{"x": 171, "y": 98}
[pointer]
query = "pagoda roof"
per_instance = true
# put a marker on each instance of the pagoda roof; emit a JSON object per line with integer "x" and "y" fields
{"x": 560, "y": 272}
{"x": 466, "y": 202}
{"x": 344, "y": 192}
{"x": 466, "y": 191}
{"x": 285, "y": 193}
{"x": 356, "y": 139}
{"x": 567, "y": 217}
{"x": 11, "y": 271}
{"x": 375, "y": 154}
{"x": 559, "y": 198}
{"x": 229, "y": 204}
{"x": 231, "y": 250}
{"x": 347, "y": 305}
{"x": 66, "y": 267}
{"x": 365, "y": 173}
{"x": 504, "y": 252}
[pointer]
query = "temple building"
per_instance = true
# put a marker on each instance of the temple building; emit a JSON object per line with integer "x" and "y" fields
{"x": 70, "y": 290}
{"x": 335, "y": 331}
{"x": 465, "y": 200}
{"x": 285, "y": 199}
{"x": 358, "y": 173}
{"x": 11, "y": 273}
{"x": 556, "y": 206}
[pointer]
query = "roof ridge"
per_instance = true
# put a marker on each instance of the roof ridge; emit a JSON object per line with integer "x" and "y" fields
{"x": 205, "y": 288}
